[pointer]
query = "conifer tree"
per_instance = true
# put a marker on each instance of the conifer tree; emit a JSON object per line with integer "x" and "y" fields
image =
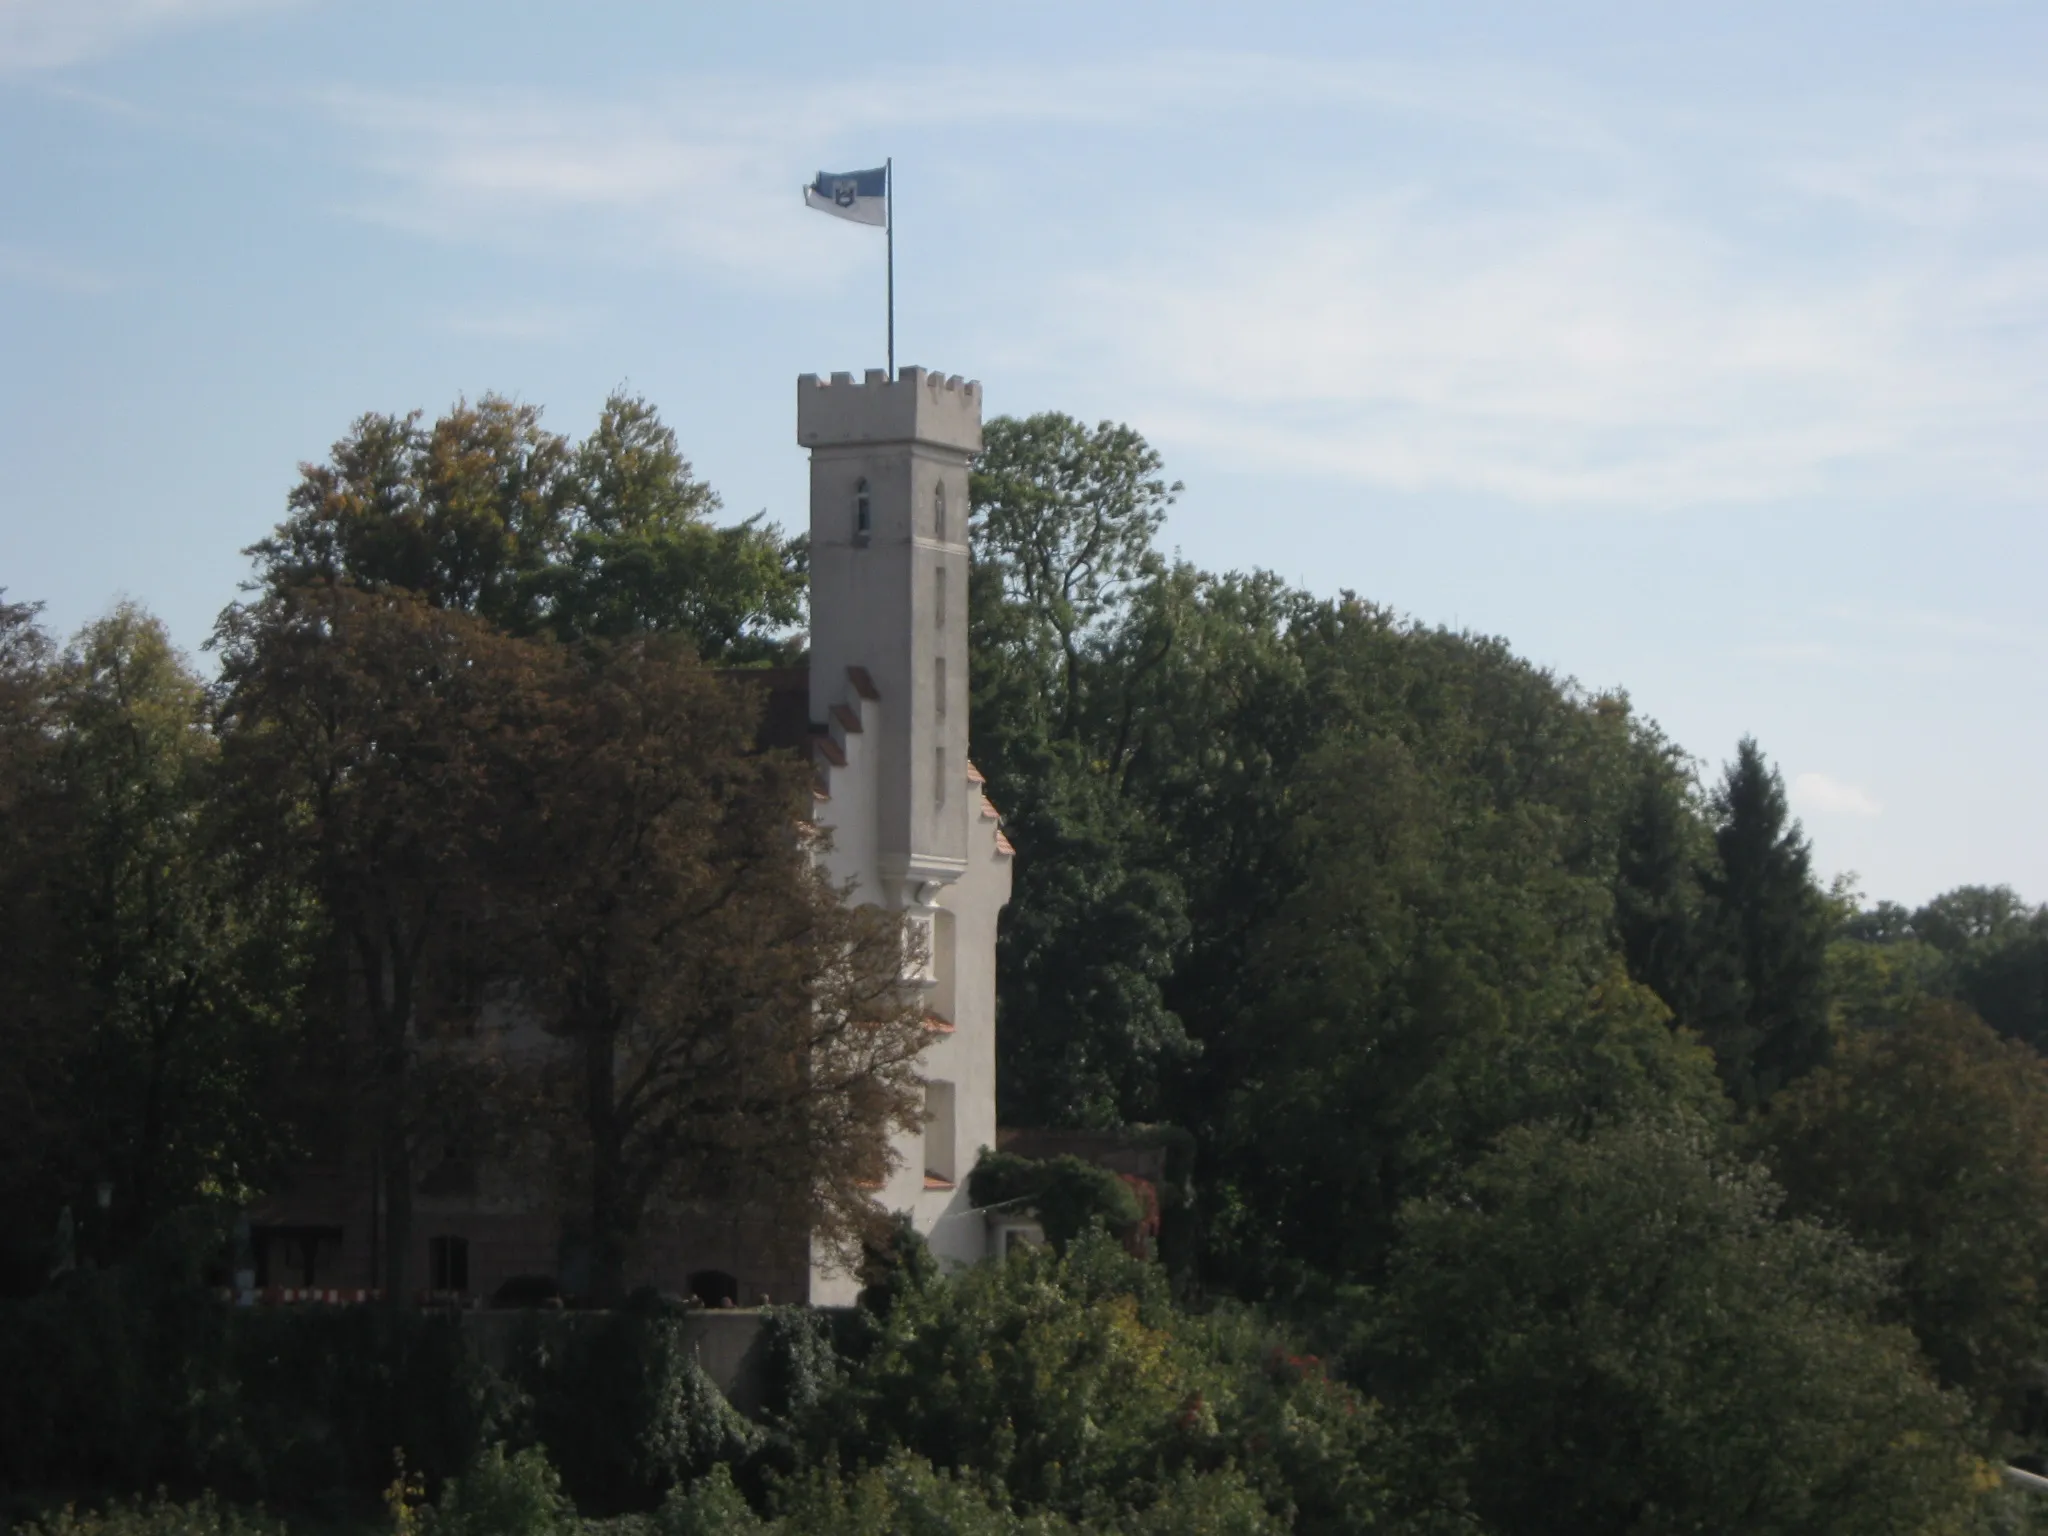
{"x": 1770, "y": 923}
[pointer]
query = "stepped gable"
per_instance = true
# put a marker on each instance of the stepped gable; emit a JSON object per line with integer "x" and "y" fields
{"x": 786, "y": 723}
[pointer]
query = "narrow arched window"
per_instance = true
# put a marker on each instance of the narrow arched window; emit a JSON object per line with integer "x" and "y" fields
{"x": 939, "y": 512}
{"x": 863, "y": 512}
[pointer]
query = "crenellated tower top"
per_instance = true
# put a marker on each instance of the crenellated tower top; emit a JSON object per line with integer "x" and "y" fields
{"x": 937, "y": 409}
{"x": 889, "y": 550}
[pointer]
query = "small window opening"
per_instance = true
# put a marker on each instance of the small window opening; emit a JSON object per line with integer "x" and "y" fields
{"x": 940, "y": 1163}
{"x": 939, "y": 598}
{"x": 919, "y": 949}
{"x": 863, "y": 512}
{"x": 939, "y": 686}
{"x": 939, "y": 512}
{"x": 715, "y": 1288}
{"x": 448, "y": 1260}
{"x": 939, "y": 777}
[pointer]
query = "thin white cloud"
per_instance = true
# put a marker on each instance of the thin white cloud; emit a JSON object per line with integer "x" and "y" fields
{"x": 1819, "y": 794}
{"x": 1584, "y": 331}
{"x": 701, "y": 168}
{"x": 49, "y": 34}
{"x": 39, "y": 269}
{"x": 530, "y": 323}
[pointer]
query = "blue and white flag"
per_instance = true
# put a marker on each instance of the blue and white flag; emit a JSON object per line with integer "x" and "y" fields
{"x": 862, "y": 196}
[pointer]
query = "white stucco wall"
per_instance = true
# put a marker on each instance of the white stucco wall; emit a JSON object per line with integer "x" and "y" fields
{"x": 907, "y": 840}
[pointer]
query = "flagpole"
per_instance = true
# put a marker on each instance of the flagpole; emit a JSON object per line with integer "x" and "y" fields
{"x": 889, "y": 220}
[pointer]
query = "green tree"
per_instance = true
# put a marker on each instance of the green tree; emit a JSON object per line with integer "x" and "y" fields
{"x": 1773, "y": 922}
{"x": 1441, "y": 974}
{"x": 373, "y": 747}
{"x": 1616, "y": 1333}
{"x": 485, "y": 512}
{"x": 642, "y": 554}
{"x": 1072, "y": 1384}
{"x": 1973, "y": 917}
{"x": 36, "y": 988}
{"x": 1928, "y": 1142}
{"x": 738, "y": 1030}
{"x": 1063, "y": 522}
{"x": 186, "y": 958}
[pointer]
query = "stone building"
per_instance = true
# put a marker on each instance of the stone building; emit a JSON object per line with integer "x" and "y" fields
{"x": 888, "y": 703}
{"x": 882, "y": 711}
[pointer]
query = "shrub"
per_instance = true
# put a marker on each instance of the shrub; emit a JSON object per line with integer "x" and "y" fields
{"x": 159, "y": 1517}
{"x": 503, "y": 1496}
{"x": 1068, "y": 1196}
{"x": 905, "y": 1497}
{"x": 799, "y": 1365}
{"x": 625, "y": 1411}
{"x": 1072, "y": 1383}
{"x": 136, "y": 1376}
{"x": 898, "y": 1263}
{"x": 1586, "y": 1328}
{"x": 711, "y": 1506}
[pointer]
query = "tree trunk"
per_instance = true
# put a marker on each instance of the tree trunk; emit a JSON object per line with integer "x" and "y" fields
{"x": 387, "y": 979}
{"x": 611, "y": 1221}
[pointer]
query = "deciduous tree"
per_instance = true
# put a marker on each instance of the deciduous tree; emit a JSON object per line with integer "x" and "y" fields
{"x": 1928, "y": 1142}
{"x": 738, "y": 1031}
{"x": 486, "y": 512}
{"x": 1617, "y": 1333}
{"x": 372, "y": 745}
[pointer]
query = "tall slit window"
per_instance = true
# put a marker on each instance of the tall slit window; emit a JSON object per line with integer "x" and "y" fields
{"x": 939, "y": 686}
{"x": 863, "y": 512}
{"x": 939, "y": 511}
{"x": 939, "y": 598}
{"x": 939, "y": 776}
{"x": 448, "y": 1261}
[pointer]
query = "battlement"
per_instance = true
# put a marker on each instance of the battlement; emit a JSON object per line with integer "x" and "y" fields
{"x": 919, "y": 407}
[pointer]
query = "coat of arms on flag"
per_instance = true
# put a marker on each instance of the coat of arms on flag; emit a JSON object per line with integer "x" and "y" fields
{"x": 862, "y": 196}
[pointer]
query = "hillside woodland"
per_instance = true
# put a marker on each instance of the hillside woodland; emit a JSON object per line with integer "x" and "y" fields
{"x": 1554, "y": 1153}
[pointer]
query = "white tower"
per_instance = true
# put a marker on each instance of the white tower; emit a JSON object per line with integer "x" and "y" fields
{"x": 888, "y": 700}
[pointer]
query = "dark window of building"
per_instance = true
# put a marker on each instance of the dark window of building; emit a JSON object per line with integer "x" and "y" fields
{"x": 304, "y": 1256}
{"x": 939, "y": 512}
{"x": 715, "y": 1288}
{"x": 448, "y": 1262}
{"x": 863, "y": 513}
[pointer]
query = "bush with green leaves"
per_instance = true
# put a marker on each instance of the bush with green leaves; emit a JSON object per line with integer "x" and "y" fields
{"x": 906, "y": 1496}
{"x": 205, "y": 1516}
{"x": 1072, "y": 1383}
{"x": 1066, "y": 1194}
{"x": 501, "y": 1495}
{"x": 128, "y": 1377}
{"x": 799, "y": 1365}
{"x": 1616, "y": 1332}
{"x": 625, "y": 1410}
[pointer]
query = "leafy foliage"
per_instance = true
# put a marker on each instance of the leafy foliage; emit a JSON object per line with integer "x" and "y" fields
{"x": 501, "y": 1495}
{"x": 1775, "y": 927}
{"x": 487, "y": 513}
{"x": 137, "y": 1376}
{"x": 1615, "y": 1332}
{"x": 739, "y": 1030}
{"x": 1067, "y": 1195}
{"x": 1072, "y": 1383}
{"x": 159, "y": 1516}
{"x": 624, "y": 1409}
{"x": 1928, "y": 1142}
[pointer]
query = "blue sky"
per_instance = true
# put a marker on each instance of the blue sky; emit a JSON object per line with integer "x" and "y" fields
{"x": 1703, "y": 354}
